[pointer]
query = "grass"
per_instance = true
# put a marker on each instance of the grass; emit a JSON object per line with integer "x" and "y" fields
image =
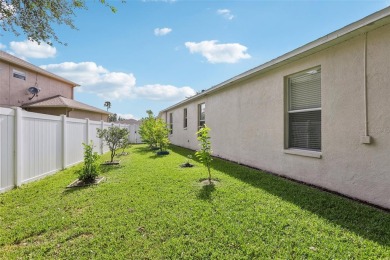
{"x": 150, "y": 208}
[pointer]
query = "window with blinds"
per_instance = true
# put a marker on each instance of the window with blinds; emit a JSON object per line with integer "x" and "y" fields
{"x": 170, "y": 123}
{"x": 304, "y": 110}
{"x": 185, "y": 118}
{"x": 201, "y": 115}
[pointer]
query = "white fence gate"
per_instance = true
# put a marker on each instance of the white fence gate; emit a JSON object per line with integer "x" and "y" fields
{"x": 35, "y": 145}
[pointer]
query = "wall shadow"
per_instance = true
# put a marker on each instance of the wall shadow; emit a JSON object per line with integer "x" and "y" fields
{"x": 364, "y": 220}
{"x": 143, "y": 150}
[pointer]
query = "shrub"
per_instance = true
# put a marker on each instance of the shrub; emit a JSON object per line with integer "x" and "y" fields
{"x": 91, "y": 168}
{"x": 114, "y": 137}
{"x": 147, "y": 130}
{"x": 204, "y": 153}
{"x": 154, "y": 132}
{"x": 161, "y": 133}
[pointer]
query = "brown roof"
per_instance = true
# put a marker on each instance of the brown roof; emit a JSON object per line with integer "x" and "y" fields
{"x": 24, "y": 64}
{"x": 60, "y": 101}
{"x": 129, "y": 121}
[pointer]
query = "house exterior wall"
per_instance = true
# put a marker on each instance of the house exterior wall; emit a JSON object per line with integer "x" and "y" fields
{"x": 248, "y": 120}
{"x": 81, "y": 114}
{"x": 54, "y": 111}
{"x": 13, "y": 91}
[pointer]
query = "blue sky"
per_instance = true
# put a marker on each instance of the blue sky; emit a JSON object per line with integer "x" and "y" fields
{"x": 153, "y": 53}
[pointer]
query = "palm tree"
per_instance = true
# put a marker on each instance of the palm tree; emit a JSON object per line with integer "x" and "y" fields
{"x": 107, "y": 104}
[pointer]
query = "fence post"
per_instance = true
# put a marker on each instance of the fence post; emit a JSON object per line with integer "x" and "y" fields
{"x": 87, "y": 122}
{"x": 101, "y": 139}
{"x": 64, "y": 142}
{"x": 18, "y": 146}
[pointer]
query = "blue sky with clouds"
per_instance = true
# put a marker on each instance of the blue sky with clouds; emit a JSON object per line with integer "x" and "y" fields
{"x": 154, "y": 53}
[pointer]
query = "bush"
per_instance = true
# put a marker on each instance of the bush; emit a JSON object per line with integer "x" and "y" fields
{"x": 204, "y": 153}
{"x": 91, "y": 168}
{"x": 154, "y": 132}
{"x": 114, "y": 137}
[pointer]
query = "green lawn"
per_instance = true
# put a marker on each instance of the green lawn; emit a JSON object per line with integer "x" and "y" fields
{"x": 150, "y": 208}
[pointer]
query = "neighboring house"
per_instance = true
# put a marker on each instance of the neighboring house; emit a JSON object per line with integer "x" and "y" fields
{"x": 319, "y": 114}
{"x": 54, "y": 98}
{"x": 59, "y": 105}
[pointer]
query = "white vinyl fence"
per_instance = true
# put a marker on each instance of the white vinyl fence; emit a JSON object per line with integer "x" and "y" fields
{"x": 34, "y": 145}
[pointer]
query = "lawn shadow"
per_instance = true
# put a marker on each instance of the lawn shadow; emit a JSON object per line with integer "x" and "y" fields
{"x": 206, "y": 191}
{"x": 109, "y": 168}
{"x": 363, "y": 220}
{"x": 142, "y": 150}
{"x": 67, "y": 191}
{"x": 156, "y": 156}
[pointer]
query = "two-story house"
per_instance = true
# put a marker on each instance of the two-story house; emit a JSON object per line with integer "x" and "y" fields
{"x": 25, "y": 85}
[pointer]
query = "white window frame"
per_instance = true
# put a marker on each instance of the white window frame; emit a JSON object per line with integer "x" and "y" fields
{"x": 202, "y": 122}
{"x": 185, "y": 118}
{"x": 288, "y": 148}
{"x": 170, "y": 123}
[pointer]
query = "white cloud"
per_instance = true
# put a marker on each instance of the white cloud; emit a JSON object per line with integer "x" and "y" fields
{"x": 2, "y": 46}
{"x": 29, "y": 49}
{"x": 219, "y": 53}
{"x": 115, "y": 85}
{"x": 163, "y": 92}
{"x": 83, "y": 73}
{"x": 162, "y": 31}
{"x": 225, "y": 13}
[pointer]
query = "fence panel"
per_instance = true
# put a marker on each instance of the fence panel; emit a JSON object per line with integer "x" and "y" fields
{"x": 7, "y": 161}
{"x": 93, "y": 126}
{"x": 105, "y": 146}
{"x": 42, "y": 145}
{"x": 34, "y": 145}
{"x": 134, "y": 137}
{"x": 76, "y": 136}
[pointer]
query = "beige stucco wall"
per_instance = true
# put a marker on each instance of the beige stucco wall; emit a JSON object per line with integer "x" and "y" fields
{"x": 248, "y": 121}
{"x": 69, "y": 112}
{"x": 87, "y": 114}
{"x": 48, "y": 111}
{"x": 13, "y": 91}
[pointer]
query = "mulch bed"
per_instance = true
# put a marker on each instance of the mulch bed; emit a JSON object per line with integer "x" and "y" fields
{"x": 78, "y": 183}
{"x": 186, "y": 165}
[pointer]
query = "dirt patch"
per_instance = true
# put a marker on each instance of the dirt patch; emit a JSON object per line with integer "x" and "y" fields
{"x": 186, "y": 165}
{"x": 205, "y": 182}
{"x": 111, "y": 163}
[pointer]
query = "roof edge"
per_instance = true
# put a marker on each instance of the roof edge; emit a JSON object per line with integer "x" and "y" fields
{"x": 24, "y": 64}
{"x": 344, "y": 32}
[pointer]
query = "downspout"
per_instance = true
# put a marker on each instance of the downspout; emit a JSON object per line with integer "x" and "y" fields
{"x": 366, "y": 139}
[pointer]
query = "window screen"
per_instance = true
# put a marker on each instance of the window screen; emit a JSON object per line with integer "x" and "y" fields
{"x": 201, "y": 115}
{"x": 304, "y": 113}
{"x": 185, "y": 118}
{"x": 171, "y": 123}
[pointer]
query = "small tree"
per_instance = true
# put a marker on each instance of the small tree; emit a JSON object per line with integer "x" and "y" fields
{"x": 147, "y": 130}
{"x": 204, "y": 153}
{"x": 161, "y": 133}
{"x": 114, "y": 137}
{"x": 91, "y": 169}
